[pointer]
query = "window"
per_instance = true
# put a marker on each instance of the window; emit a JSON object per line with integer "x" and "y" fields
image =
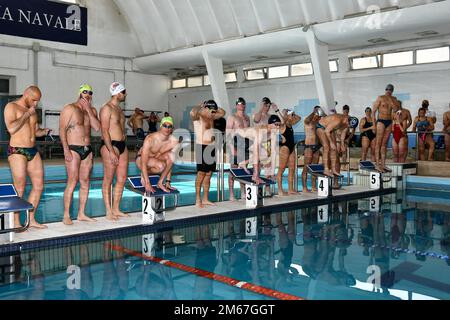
{"x": 398, "y": 59}
{"x": 195, "y": 81}
{"x": 302, "y": 69}
{"x": 230, "y": 77}
{"x": 279, "y": 72}
{"x": 4, "y": 86}
{"x": 334, "y": 66}
{"x": 365, "y": 62}
{"x": 433, "y": 55}
{"x": 179, "y": 83}
{"x": 255, "y": 74}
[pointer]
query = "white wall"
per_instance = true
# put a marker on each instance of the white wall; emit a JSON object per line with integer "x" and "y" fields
{"x": 358, "y": 89}
{"x": 61, "y": 68}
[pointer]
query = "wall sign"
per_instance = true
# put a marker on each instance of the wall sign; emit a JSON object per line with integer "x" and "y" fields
{"x": 45, "y": 20}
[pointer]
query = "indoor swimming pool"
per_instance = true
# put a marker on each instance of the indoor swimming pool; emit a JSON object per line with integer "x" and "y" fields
{"x": 326, "y": 252}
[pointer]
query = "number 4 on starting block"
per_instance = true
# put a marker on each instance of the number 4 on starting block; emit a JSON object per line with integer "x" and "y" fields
{"x": 323, "y": 187}
{"x": 254, "y": 196}
{"x": 151, "y": 206}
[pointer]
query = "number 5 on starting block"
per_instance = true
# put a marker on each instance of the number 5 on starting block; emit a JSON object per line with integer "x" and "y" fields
{"x": 254, "y": 196}
{"x": 375, "y": 180}
{"x": 150, "y": 207}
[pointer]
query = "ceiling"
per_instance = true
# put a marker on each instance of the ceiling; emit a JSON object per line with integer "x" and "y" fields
{"x": 173, "y": 33}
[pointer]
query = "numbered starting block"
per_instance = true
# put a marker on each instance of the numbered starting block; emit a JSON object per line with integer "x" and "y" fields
{"x": 377, "y": 178}
{"x": 153, "y": 205}
{"x": 10, "y": 203}
{"x": 324, "y": 182}
{"x": 254, "y": 193}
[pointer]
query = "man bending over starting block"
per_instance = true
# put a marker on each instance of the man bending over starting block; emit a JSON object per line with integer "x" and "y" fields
{"x": 326, "y": 131}
{"x": 158, "y": 152}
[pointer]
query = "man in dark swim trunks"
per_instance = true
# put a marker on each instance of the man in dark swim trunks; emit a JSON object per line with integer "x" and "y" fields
{"x": 22, "y": 124}
{"x": 203, "y": 117}
{"x": 114, "y": 150}
{"x": 136, "y": 123}
{"x": 384, "y": 106}
{"x": 239, "y": 149}
{"x": 76, "y": 121}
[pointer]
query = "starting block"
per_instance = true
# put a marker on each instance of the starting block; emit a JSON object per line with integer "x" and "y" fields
{"x": 376, "y": 177}
{"x": 254, "y": 193}
{"x": 10, "y": 203}
{"x": 153, "y": 205}
{"x": 325, "y": 183}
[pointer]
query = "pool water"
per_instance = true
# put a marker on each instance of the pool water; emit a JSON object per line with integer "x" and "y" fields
{"x": 311, "y": 253}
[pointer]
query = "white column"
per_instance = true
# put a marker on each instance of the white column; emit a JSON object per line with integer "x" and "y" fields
{"x": 321, "y": 65}
{"x": 214, "y": 66}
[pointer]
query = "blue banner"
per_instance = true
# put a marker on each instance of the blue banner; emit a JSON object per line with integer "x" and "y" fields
{"x": 45, "y": 20}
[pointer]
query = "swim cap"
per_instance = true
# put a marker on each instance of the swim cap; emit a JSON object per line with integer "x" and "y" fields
{"x": 289, "y": 112}
{"x": 390, "y": 87}
{"x": 241, "y": 101}
{"x": 211, "y": 105}
{"x": 425, "y": 103}
{"x": 266, "y": 100}
{"x": 318, "y": 111}
{"x": 166, "y": 120}
{"x": 85, "y": 87}
{"x": 116, "y": 88}
{"x": 353, "y": 122}
{"x": 274, "y": 119}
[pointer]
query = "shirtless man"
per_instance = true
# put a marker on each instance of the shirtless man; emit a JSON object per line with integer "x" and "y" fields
{"x": 264, "y": 147}
{"x": 158, "y": 152}
{"x": 114, "y": 150}
{"x": 447, "y": 134}
{"x": 326, "y": 131}
{"x": 203, "y": 117}
{"x": 424, "y": 126}
{"x": 384, "y": 106}
{"x": 152, "y": 120}
{"x": 262, "y": 116}
{"x": 239, "y": 146}
{"x": 406, "y": 120}
{"x": 136, "y": 123}
{"x": 22, "y": 124}
{"x": 312, "y": 146}
{"x": 75, "y": 125}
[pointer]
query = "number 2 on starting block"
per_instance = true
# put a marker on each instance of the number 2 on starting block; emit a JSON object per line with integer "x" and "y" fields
{"x": 375, "y": 180}
{"x": 254, "y": 196}
{"x": 150, "y": 207}
{"x": 323, "y": 186}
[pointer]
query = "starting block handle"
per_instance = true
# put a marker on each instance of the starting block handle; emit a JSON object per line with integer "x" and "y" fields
{"x": 11, "y": 230}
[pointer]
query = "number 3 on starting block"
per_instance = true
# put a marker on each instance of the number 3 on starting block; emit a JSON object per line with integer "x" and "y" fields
{"x": 375, "y": 180}
{"x": 150, "y": 207}
{"x": 323, "y": 187}
{"x": 254, "y": 197}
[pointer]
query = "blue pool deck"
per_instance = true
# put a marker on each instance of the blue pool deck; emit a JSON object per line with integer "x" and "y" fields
{"x": 60, "y": 234}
